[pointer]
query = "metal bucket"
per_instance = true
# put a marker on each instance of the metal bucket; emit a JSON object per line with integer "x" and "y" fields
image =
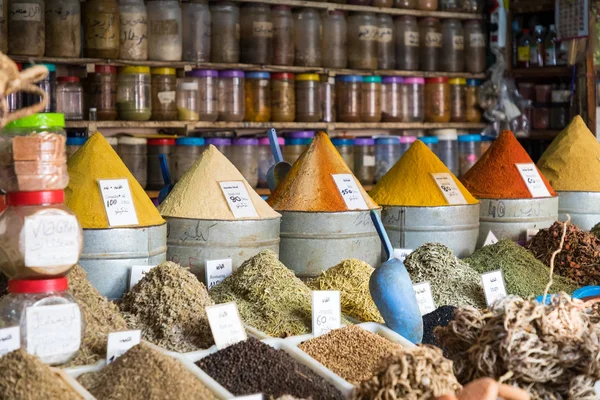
{"x": 194, "y": 241}
{"x": 583, "y": 207}
{"x": 510, "y": 218}
{"x": 454, "y": 226}
{"x": 109, "y": 254}
{"x": 312, "y": 242}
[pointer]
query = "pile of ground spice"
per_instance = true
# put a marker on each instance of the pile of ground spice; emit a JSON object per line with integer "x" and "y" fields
{"x": 251, "y": 367}
{"x": 168, "y": 305}
{"x": 410, "y": 183}
{"x": 351, "y": 277}
{"x": 524, "y": 275}
{"x": 145, "y": 373}
{"x": 198, "y": 194}
{"x": 25, "y": 377}
{"x": 441, "y": 316}
{"x": 495, "y": 175}
{"x": 309, "y": 186}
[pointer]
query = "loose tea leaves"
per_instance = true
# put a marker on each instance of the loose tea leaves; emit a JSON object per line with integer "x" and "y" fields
{"x": 439, "y": 317}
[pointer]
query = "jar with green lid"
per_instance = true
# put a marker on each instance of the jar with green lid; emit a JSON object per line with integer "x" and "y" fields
{"x": 257, "y": 97}
{"x": 102, "y": 29}
{"x": 363, "y": 43}
{"x": 256, "y": 40}
{"x": 283, "y": 97}
{"x": 26, "y": 27}
{"x": 370, "y": 99}
{"x": 347, "y": 98}
{"x": 308, "y": 98}
{"x": 134, "y": 101}
{"x": 48, "y": 85}
{"x": 458, "y": 103}
{"x": 63, "y": 28}
{"x": 164, "y": 87}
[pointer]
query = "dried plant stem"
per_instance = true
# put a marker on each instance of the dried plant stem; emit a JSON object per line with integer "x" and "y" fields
{"x": 560, "y": 247}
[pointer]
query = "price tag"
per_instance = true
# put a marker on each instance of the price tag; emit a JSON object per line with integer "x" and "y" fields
{"x": 51, "y": 240}
{"x": 401, "y": 254}
{"x": 239, "y": 201}
{"x": 368, "y": 161}
{"x": 493, "y": 286}
{"x": 258, "y": 396}
{"x": 449, "y": 188}
{"x": 349, "y": 190}
{"x": 217, "y": 270}
{"x": 531, "y": 233}
{"x": 10, "y": 339}
{"x": 137, "y": 273}
{"x": 118, "y": 202}
{"x": 533, "y": 180}
{"x": 326, "y": 311}
{"x": 424, "y": 297}
{"x": 53, "y": 330}
{"x": 225, "y": 324}
{"x": 490, "y": 239}
{"x": 120, "y": 342}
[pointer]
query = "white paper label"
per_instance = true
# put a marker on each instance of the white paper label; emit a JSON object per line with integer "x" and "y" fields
{"x": 458, "y": 42}
{"x": 53, "y": 330}
{"x": 349, "y": 190}
{"x": 217, "y": 270}
{"x": 533, "y": 180}
{"x": 493, "y": 286}
{"x": 167, "y": 97}
{"x": 411, "y": 39}
{"x": 368, "y": 32}
{"x": 433, "y": 39}
{"x": 385, "y": 35}
{"x": 239, "y": 201}
{"x": 10, "y": 338}
{"x": 326, "y": 311}
{"x": 490, "y": 239}
{"x": 258, "y": 396}
{"x": 531, "y": 233}
{"x": 137, "y": 273}
{"x": 225, "y": 324}
{"x": 369, "y": 161}
{"x": 51, "y": 240}
{"x": 401, "y": 254}
{"x": 477, "y": 40}
{"x": 449, "y": 188}
{"x": 424, "y": 297}
{"x": 118, "y": 202}
{"x": 25, "y": 12}
{"x": 120, "y": 342}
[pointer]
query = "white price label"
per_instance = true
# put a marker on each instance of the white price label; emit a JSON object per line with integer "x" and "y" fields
{"x": 424, "y": 297}
{"x": 239, "y": 201}
{"x": 225, "y": 324}
{"x": 533, "y": 180}
{"x": 493, "y": 286}
{"x": 258, "y": 396}
{"x": 326, "y": 311}
{"x": 401, "y": 254}
{"x": 137, "y": 273}
{"x": 53, "y": 330}
{"x": 369, "y": 161}
{"x": 217, "y": 270}
{"x": 349, "y": 190}
{"x": 166, "y": 98}
{"x": 51, "y": 240}
{"x": 120, "y": 342}
{"x": 490, "y": 239}
{"x": 449, "y": 188}
{"x": 531, "y": 233}
{"x": 118, "y": 202}
{"x": 10, "y": 339}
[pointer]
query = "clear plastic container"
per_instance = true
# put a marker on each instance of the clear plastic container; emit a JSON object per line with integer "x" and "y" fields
{"x": 363, "y": 41}
{"x": 164, "y": 90}
{"x": 334, "y": 48}
{"x": 63, "y": 28}
{"x": 469, "y": 151}
{"x": 164, "y": 30}
{"x": 447, "y": 150}
{"x": 103, "y": 92}
{"x": 391, "y": 99}
{"x": 48, "y": 85}
{"x": 266, "y": 159}
{"x": 69, "y": 98}
{"x": 14, "y": 101}
{"x": 283, "y": 97}
{"x": 437, "y": 100}
{"x": 406, "y": 4}
{"x": 257, "y": 89}
{"x": 101, "y": 27}
{"x": 196, "y": 22}
{"x": 208, "y": 87}
{"x": 328, "y": 112}
{"x": 387, "y": 42}
{"x": 450, "y": 5}
{"x": 187, "y": 150}
{"x": 26, "y": 28}
{"x": 431, "y": 142}
{"x": 134, "y": 101}
{"x": 134, "y": 153}
{"x": 295, "y": 144}
{"x": 256, "y": 40}
{"x": 222, "y": 144}
{"x": 427, "y": 5}
{"x": 308, "y": 98}
{"x": 453, "y": 46}
{"x": 231, "y": 96}
{"x": 157, "y": 147}
{"x": 472, "y": 112}
{"x": 225, "y": 35}
{"x": 407, "y": 43}
{"x": 134, "y": 30}
{"x": 345, "y": 146}
{"x": 387, "y": 153}
{"x": 364, "y": 160}
{"x": 307, "y": 37}
{"x": 243, "y": 156}
{"x": 486, "y": 143}
{"x": 458, "y": 99}
{"x": 370, "y": 99}
{"x": 412, "y": 99}
{"x": 74, "y": 144}
{"x": 475, "y": 47}
{"x": 283, "y": 35}
{"x": 188, "y": 99}
{"x": 347, "y": 96}
{"x": 430, "y": 36}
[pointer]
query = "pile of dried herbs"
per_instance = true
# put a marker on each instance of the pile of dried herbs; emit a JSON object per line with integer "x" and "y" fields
{"x": 596, "y": 230}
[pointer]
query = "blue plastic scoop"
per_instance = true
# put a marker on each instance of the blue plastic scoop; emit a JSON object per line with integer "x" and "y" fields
{"x": 280, "y": 169}
{"x": 164, "y": 167}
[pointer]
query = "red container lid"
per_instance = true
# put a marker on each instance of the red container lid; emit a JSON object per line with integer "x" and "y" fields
{"x": 70, "y": 79}
{"x": 106, "y": 69}
{"x": 35, "y": 198}
{"x": 436, "y": 80}
{"x": 38, "y": 285}
{"x": 161, "y": 142}
{"x": 283, "y": 76}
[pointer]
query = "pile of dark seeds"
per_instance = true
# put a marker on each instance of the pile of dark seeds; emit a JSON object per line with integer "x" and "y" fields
{"x": 440, "y": 317}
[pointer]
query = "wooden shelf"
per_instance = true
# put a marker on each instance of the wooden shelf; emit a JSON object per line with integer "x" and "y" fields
{"x": 541, "y": 72}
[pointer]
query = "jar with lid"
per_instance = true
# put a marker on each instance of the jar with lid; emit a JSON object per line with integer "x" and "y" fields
{"x": 527, "y": 92}
{"x": 256, "y": 40}
{"x": 69, "y": 98}
{"x": 187, "y": 150}
{"x": 453, "y": 46}
{"x": 430, "y": 36}
{"x": 451, "y": 5}
{"x": 243, "y": 157}
{"x": 431, "y": 142}
{"x": 164, "y": 33}
{"x": 347, "y": 96}
{"x": 134, "y": 101}
{"x": 134, "y": 30}
{"x": 469, "y": 151}
{"x": 103, "y": 92}
{"x": 283, "y": 97}
{"x": 258, "y": 97}
{"x": 473, "y": 112}
{"x": 475, "y": 6}
{"x": 34, "y": 154}
{"x": 437, "y": 100}
{"x": 412, "y": 100}
{"x": 541, "y": 111}
{"x": 63, "y": 28}
{"x": 407, "y": 140}
{"x": 134, "y": 153}
{"x": 225, "y": 32}
{"x": 406, "y": 4}
{"x": 14, "y": 101}
{"x": 364, "y": 160}
{"x": 559, "y": 117}
{"x": 308, "y": 98}
{"x": 307, "y": 37}
{"x": 295, "y": 144}
{"x": 222, "y": 144}
{"x": 391, "y": 99}
{"x": 387, "y": 153}
{"x": 283, "y": 35}
{"x": 383, "y": 3}
{"x": 475, "y": 47}
{"x": 427, "y": 5}
{"x": 101, "y": 27}
{"x": 327, "y": 98}
{"x": 188, "y": 99}
{"x": 458, "y": 104}
{"x": 370, "y": 99}
{"x": 486, "y": 143}
{"x": 164, "y": 89}
{"x": 48, "y": 85}
{"x": 363, "y": 41}
{"x": 208, "y": 86}
{"x": 231, "y": 96}
{"x": 156, "y": 147}
{"x": 196, "y": 25}
{"x": 50, "y": 321}
{"x": 113, "y": 141}
{"x": 74, "y": 143}
{"x": 345, "y": 146}
{"x": 407, "y": 43}
{"x": 266, "y": 159}
{"x": 386, "y": 39}
{"x": 447, "y": 149}
{"x": 334, "y": 47}
{"x": 4, "y": 28}
{"x": 26, "y": 28}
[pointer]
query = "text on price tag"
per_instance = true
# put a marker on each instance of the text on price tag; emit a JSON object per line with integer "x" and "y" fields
{"x": 137, "y": 273}
{"x": 53, "y": 330}
{"x": 326, "y": 311}
{"x": 533, "y": 180}
{"x": 493, "y": 286}
{"x": 225, "y": 324}
{"x": 51, "y": 240}
{"x": 238, "y": 199}
{"x": 118, "y": 202}
{"x": 401, "y": 254}
{"x": 217, "y": 270}
{"x": 424, "y": 297}
{"x": 120, "y": 342}
{"x": 349, "y": 190}
{"x": 10, "y": 339}
{"x": 449, "y": 188}
{"x": 490, "y": 239}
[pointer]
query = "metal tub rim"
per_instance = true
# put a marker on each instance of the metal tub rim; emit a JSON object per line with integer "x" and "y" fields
{"x": 125, "y": 227}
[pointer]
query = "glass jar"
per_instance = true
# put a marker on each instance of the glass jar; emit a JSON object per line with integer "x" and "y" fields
{"x": 231, "y": 96}
{"x": 387, "y": 153}
{"x": 225, "y": 35}
{"x": 406, "y": 4}
{"x": 283, "y": 35}
{"x": 243, "y": 157}
{"x": 431, "y": 142}
{"x": 48, "y": 85}
{"x": 430, "y": 36}
{"x": 363, "y": 35}
{"x": 391, "y": 99}
{"x": 345, "y": 146}
{"x": 412, "y": 100}
{"x": 74, "y": 144}
{"x": 26, "y": 28}
{"x": 283, "y": 97}
{"x": 196, "y": 25}
{"x": 308, "y": 98}
{"x": 458, "y": 101}
{"x": 295, "y": 144}
{"x": 258, "y": 97}
{"x": 307, "y": 37}
{"x": 164, "y": 33}
{"x": 447, "y": 149}
{"x": 386, "y": 39}
{"x": 437, "y": 100}
{"x": 63, "y": 28}
{"x": 187, "y": 150}
{"x": 364, "y": 160}
{"x": 327, "y": 98}
{"x": 469, "y": 151}
{"x": 334, "y": 47}
{"x": 451, "y": 5}
{"x": 101, "y": 27}
{"x": 541, "y": 111}
{"x": 347, "y": 96}
{"x": 473, "y": 112}
{"x": 14, "y": 101}
{"x": 222, "y": 144}
{"x": 427, "y": 5}
{"x": 188, "y": 99}
{"x": 50, "y": 321}
{"x": 103, "y": 92}
{"x": 256, "y": 44}
{"x": 475, "y": 6}
{"x": 407, "y": 43}
{"x": 134, "y": 102}
{"x": 208, "y": 86}
{"x": 156, "y": 147}
{"x": 164, "y": 88}
{"x": 453, "y": 46}
{"x": 559, "y": 117}
{"x": 370, "y": 99}
{"x": 266, "y": 159}
{"x": 34, "y": 154}
{"x": 475, "y": 46}
{"x": 134, "y": 153}
{"x": 134, "y": 30}
{"x": 69, "y": 98}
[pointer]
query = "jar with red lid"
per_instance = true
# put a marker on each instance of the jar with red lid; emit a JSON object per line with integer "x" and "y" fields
{"x": 156, "y": 147}
{"x": 103, "y": 92}
{"x": 69, "y": 98}
{"x": 283, "y": 97}
{"x": 437, "y": 100}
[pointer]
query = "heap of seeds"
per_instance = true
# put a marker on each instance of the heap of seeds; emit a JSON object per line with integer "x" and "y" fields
{"x": 439, "y": 317}
{"x": 168, "y": 305}
{"x": 351, "y": 278}
{"x": 251, "y": 366}
{"x": 144, "y": 373}
{"x": 351, "y": 352}
{"x": 25, "y": 377}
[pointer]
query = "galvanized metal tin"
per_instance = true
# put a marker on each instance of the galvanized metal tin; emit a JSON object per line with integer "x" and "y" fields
{"x": 454, "y": 226}
{"x": 312, "y": 242}
{"x": 510, "y": 218}
{"x": 583, "y": 207}
{"x": 109, "y": 254}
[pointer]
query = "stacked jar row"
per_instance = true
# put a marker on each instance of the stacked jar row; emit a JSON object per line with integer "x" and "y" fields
{"x": 425, "y": 5}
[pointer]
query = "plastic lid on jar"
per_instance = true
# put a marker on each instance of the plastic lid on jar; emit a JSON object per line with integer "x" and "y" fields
{"x": 415, "y": 80}
{"x": 342, "y": 141}
{"x": 203, "y": 73}
{"x": 283, "y": 76}
{"x": 457, "y": 81}
{"x": 231, "y": 73}
{"x": 106, "y": 69}
{"x": 128, "y": 140}
{"x": 219, "y": 141}
{"x": 35, "y": 198}
{"x": 439, "y": 79}
{"x": 387, "y": 140}
{"x": 163, "y": 71}
{"x": 18, "y": 286}
{"x": 308, "y": 77}
{"x": 364, "y": 141}
{"x": 473, "y": 82}
{"x": 134, "y": 70}
{"x": 429, "y": 139}
{"x": 371, "y": 79}
{"x": 190, "y": 141}
{"x": 469, "y": 138}
{"x": 258, "y": 75}
{"x": 300, "y": 134}
{"x": 407, "y": 139}
{"x": 264, "y": 141}
{"x": 392, "y": 79}
{"x": 487, "y": 138}
{"x": 445, "y": 134}
{"x": 297, "y": 141}
{"x": 245, "y": 141}
{"x": 68, "y": 79}
{"x": 50, "y": 67}
{"x": 161, "y": 142}
{"x": 45, "y": 120}
{"x": 76, "y": 141}
{"x": 349, "y": 78}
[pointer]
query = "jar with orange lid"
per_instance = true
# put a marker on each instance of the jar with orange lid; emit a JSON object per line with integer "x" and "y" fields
{"x": 458, "y": 99}
{"x": 437, "y": 100}
{"x": 308, "y": 98}
{"x": 283, "y": 97}
{"x": 257, "y": 89}
{"x": 473, "y": 112}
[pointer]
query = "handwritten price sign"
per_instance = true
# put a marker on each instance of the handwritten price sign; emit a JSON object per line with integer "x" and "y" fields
{"x": 348, "y": 188}
{"x": 449, "y": 188}
{"x": 217, "y": 270}
{"x": 238, "y": 199}
{"x": 533, "y": 180}
{"x": 326, "y": 311}
{"x": 118, "y": 202}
